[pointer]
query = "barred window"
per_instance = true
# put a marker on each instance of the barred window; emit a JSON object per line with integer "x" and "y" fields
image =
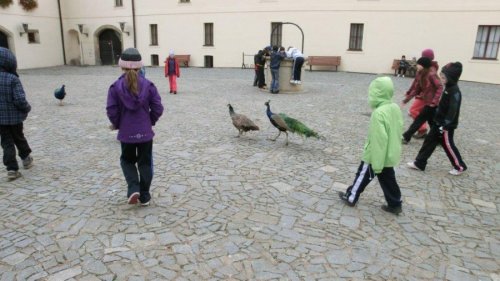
{"x": 154, "y": 34}
{"x": 277, "y": 33}
{"x": 209, "y": 34}
{"x": 356, "y": 37}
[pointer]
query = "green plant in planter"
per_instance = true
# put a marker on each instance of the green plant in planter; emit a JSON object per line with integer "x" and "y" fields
{"x": 5, "y": 3}
{"x": 28, "y": 5}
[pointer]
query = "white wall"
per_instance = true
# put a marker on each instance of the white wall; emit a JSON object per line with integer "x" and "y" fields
{"x": 45, "y": 19}
{"x": 391, "y": 28}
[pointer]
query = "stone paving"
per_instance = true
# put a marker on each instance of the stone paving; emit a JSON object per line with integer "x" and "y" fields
{"x": 227, "y": 208}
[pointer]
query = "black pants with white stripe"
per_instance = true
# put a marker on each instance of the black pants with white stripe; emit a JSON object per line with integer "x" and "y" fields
{"x": 432, "y": 140}
{"x": 386, "y": 178}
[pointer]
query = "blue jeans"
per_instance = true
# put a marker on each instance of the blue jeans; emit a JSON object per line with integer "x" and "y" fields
{"x": 275, "y": 83}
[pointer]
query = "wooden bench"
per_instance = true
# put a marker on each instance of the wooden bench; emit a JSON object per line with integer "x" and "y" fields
{"x": 183, "y": 59}
{"x": 323, "y": 61}
{"x": 410, "y": 71}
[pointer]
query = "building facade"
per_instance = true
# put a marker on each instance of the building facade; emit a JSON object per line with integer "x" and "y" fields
{"x": 367, "y": 34}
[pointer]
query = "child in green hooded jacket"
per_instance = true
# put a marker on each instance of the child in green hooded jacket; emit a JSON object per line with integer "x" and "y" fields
{"x": 382, "y": 149}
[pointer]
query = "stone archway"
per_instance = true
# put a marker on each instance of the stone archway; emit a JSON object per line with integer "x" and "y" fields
{"x": 4, "y": 40}
{"x": 74, "y": 48}
{"x": 110, "y": 46}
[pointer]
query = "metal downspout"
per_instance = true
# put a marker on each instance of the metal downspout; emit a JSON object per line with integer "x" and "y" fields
{"x": 62, "y": 31}
{"x": 133, "y": 23}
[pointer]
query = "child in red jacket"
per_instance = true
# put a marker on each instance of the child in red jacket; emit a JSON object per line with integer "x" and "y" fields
{"x": 172, "y": 72}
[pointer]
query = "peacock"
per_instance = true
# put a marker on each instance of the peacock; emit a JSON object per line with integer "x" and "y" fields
{"x": 60, "y": 93}
{"x": 287, "y": 124}
{"x": 241, "y": 122}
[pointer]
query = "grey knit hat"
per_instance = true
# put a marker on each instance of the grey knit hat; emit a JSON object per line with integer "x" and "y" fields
{"x": 130, "y": 58}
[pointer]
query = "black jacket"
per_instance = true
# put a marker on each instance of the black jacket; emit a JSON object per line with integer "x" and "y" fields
{"x": 448, "y": 109}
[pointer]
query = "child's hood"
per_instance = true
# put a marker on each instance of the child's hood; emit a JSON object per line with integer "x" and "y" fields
{"x": 131, "y": 101}
{"x": 8, "y": 62}
{"x": 380, "y": 91}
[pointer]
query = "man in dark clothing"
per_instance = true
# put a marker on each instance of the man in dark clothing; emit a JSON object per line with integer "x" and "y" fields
{"x": 445, "y": 123}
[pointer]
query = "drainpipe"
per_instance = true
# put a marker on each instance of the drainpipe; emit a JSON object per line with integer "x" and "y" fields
{"x": 133, "y": 23}
{"x": 62, "y": 31}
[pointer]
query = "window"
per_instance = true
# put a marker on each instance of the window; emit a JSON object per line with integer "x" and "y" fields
{"x": 33, "y": 37}
{"x": 155, "y": 61}
{"x": 209, "y": 61}
{"x": 209, "y": 34}
{"x": 153, "y": 28}
{"x": 276, "y": 31}
{"x": 118, "y": 3}
{"x": 356, "y": 37}
{"x": 487, "y": 40}
{"x": 184, "y": 1}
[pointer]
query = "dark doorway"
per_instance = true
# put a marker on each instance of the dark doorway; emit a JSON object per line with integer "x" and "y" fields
{"x": 3, "y": 40}
{"x": 110, "y": 47}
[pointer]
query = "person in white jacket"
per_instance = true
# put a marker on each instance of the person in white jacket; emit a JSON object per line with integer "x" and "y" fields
{"x": 298, "y": 61}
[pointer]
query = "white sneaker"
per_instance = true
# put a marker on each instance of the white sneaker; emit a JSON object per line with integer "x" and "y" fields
{"x": 403, "y": 76}
{"x": 399, "y": 75}
{"x": 456, "y": 172}
{"x": 292, "y": 81}
{"x": 298, "y": 82}
{"x": 411, "y": 165}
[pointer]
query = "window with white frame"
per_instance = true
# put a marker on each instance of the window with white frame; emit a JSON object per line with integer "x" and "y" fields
{"x": 487, "y": 41}
{"x": 184, "y": 1}
{"x": 118, "y": 3}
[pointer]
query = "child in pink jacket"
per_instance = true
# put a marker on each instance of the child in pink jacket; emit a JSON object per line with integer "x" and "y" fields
{"x": 172, "y": 72}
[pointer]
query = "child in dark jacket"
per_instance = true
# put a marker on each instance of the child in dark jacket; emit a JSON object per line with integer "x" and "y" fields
{"x": 14, "y": 109}
{"x": 133, "y": 107}
{"x": 445, "y": 123}
{"x": 276, "y": 57}
{"x": 172, "y": 71}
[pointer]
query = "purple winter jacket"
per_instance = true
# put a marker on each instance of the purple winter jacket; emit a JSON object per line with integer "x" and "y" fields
{"x": 134, "y": 116}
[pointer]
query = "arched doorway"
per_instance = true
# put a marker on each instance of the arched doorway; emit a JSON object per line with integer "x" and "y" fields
{"x": 74, "y": 48}
{"x": 110, "y": 47}
{"x": 4, "y": 40}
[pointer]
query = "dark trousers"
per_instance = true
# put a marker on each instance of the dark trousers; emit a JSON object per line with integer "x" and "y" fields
{"x": 261, "y": 80}
{"x": 12, "y": 136}
{"x": 402, "y": 70}
{"x": 386, "y": 178}
{"x": 138, "y": 177}
{"x": 432, "y": 140}
{"x": 426, "y": 115}
{"x": 297, "y": 68}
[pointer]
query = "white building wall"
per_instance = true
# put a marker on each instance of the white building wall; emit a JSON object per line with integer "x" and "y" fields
{"x": 45, "y": 19}
{"x": 391, "y": 28}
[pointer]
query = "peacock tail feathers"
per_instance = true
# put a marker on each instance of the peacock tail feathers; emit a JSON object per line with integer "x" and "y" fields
{"x": 298, "y": 127}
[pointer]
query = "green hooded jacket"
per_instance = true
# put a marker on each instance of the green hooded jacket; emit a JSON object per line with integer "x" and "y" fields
{"x": 383, "y": 146}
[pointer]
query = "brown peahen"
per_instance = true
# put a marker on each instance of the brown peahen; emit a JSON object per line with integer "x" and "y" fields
{"x": 287, "y": 124}
{"x": 241, "y": 122}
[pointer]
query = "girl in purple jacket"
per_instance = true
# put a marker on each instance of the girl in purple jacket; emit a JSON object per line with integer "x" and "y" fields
{"x": 133, "y": 107}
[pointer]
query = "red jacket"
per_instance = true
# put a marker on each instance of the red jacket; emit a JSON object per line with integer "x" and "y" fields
{"x": 430, "y": 91}
{"x": 177, "y": 71}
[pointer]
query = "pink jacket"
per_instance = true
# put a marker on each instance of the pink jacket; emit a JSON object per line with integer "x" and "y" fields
{"x": 429, "y": 92}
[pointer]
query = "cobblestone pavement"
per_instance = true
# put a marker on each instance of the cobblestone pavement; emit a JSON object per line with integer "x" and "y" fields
{"x": 243, "y": 208}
